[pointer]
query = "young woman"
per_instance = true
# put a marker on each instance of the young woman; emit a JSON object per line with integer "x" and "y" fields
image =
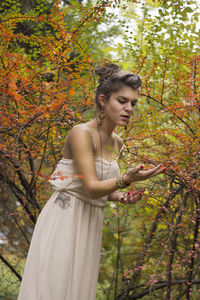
{"x": 64, "y": 255}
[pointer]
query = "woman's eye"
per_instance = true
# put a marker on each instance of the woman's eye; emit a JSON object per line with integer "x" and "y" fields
{"x": 121, "y": 101}
{"x": 124, "y": 102}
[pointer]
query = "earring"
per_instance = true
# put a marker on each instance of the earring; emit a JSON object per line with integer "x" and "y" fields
{"x": 101, "y": 116}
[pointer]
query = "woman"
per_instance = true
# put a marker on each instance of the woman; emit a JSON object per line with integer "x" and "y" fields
{"x": 64, "y": 255}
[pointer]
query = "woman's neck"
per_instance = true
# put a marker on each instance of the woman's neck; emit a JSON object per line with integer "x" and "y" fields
{"x": 105, "y": 128}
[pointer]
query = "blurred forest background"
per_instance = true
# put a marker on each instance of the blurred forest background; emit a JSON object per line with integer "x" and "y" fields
{"x": 48, "y": 52}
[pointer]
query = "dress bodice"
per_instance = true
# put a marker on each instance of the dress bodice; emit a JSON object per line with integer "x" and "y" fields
{"x": 66, "y": 179}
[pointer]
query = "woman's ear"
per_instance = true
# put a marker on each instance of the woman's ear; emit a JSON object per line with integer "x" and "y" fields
{"x": 102, "y": 100}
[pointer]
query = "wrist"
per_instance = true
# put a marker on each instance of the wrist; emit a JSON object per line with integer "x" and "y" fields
{"x": 121, "y": 182}
{"x": 125, "y": 179}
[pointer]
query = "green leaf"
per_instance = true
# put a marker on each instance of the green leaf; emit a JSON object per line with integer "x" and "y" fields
{"x": 187, "y": 10}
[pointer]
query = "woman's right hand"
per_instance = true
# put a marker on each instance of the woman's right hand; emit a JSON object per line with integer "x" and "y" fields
{"x": 139, "y": 174}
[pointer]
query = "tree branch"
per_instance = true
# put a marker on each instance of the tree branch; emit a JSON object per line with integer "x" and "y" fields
{"x": 4, "y": 260}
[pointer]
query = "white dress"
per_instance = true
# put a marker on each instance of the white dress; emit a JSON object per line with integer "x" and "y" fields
{"x": 64, "y": 254}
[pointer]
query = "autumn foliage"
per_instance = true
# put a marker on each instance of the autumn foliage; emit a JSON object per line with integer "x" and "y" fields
{"x": 47, "y": 85}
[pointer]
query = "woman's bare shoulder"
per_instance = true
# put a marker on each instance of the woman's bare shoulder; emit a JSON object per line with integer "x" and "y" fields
{"x": 79, "y": 131}
{"x": 76, "y": 130}
{"x": 81, "y": 126}
{"x": 76, "y": 135}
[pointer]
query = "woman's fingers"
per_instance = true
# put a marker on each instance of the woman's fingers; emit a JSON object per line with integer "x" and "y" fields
{"x": 133, "y": 197}
{"x": 137, "y": 169}
{"x": 136, "y": 198}
{"x": 154, "y": 171}
{"x": 138, "y": 174}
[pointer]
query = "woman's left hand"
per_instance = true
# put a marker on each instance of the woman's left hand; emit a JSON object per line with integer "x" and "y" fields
{"x": 131, "y": 197}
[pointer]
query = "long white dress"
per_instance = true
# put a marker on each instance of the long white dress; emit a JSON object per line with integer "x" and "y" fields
{"x": 64, "y": 254}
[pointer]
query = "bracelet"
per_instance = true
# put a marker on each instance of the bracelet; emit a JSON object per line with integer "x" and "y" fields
{"x": 121, "y": 184}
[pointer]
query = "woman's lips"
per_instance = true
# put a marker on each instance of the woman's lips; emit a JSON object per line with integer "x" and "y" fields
{"x": 125, "y": 118}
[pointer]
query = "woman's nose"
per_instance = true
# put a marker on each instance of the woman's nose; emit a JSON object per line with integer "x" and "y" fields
{"x": 128, "y": 106}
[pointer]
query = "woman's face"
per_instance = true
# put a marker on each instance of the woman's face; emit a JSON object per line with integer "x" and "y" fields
{"x": 120, "y": 106}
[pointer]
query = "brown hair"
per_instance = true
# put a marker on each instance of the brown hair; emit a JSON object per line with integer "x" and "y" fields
{"x": 112, "y": 79}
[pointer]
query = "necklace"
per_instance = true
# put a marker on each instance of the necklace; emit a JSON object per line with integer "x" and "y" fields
{"x": 101, "y": 154}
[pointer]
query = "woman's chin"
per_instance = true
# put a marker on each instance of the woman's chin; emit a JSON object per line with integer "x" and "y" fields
{"x": 123, "y": 123}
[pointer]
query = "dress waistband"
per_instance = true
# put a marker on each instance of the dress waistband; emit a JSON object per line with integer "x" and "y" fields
{"x": 64, "y": 198}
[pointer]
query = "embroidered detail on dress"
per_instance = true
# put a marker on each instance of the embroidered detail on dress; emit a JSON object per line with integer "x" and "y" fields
{"x": 63, "y": 200}
{"x": 61, "y": 162}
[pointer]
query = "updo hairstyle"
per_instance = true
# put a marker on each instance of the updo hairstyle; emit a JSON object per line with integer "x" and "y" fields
{"x": 112, "y": 79}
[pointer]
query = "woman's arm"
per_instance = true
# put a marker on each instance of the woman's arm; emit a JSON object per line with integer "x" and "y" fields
{"x": 81, "y": 145}
{"x": 115, "y": 196}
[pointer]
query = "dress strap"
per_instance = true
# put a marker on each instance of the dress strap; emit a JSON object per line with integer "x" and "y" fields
{"x": 122, "y": 148}
{"x": 94, "y": 143}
